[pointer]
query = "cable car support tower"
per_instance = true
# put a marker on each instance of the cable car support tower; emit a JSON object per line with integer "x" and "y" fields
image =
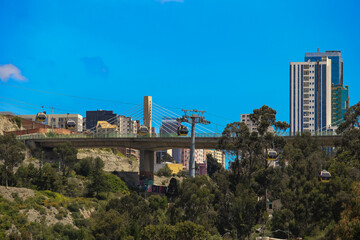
{"x": 195, "y": 117}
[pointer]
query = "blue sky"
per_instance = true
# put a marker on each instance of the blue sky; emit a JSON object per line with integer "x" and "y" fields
{"x": 225, "y": 57}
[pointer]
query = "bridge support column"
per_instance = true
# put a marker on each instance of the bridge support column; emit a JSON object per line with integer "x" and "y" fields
{"x": 147, "y": 161}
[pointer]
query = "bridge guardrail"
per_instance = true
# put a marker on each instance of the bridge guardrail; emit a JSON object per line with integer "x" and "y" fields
{"x": 155, "y": 135}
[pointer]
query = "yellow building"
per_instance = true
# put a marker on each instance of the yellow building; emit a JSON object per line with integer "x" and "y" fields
{"x": 175, "y": 167}
{"x": 103, "y": 127}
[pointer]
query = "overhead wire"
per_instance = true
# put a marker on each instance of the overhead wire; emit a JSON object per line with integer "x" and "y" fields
{"x": 199, "y": 127}
{"x": 157, "y": 110}
{"x": 67, "y": 95}
{"x": 163, "y": 126}
{"x": 189, "y": 125}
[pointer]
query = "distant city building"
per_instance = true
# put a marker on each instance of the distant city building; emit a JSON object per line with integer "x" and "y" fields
{"x": 126, "y": 125}
{"x": 169, "y": 125}
{"x": 217, "y": 154}
{"x": 313, "y": 107}
{"x": 161, "y": 153}
{"x": 183, "y": 156}
{"x": 336, "y": 64}
{"x": 245, "y": 118}
{"x": 59, "y": 120}
{"x": 103, "y": 127}
{"x": 176, "y": 154}
{"x": 92, "y": 117}
{"x": 201, "y": 169}
{"x": 339, "y": 103}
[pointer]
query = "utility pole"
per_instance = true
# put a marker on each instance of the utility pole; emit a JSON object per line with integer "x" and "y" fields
{"x": 196, "y": 117}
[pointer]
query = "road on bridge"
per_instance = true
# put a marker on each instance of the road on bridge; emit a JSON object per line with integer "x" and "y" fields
{"x": 156, "y": 143}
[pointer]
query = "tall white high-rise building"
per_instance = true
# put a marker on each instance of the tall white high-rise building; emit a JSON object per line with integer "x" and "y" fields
{"x": 310, "y": 95}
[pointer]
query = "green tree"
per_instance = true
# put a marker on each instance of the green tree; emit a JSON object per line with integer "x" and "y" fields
{"x": 84, "y": 166}
{"x": 109, "y": 225}
{"x": 349, "y": 225}
{"x": 26, "y": 176}
{"x": 12, "y": 152}
{"x": 97, "y": 178}
{"x": 172, "y": 192}
{"x": 183, "y": 230}
{"x": 212, "y": 165}
{"x": 196, "y": 201}
{"x": 167, "y": 158}
{"x": 50, "y": 179}
{"x": 67, "y": 155}
{"x": 164, "y": 171}
{"x": 351, "y": 119}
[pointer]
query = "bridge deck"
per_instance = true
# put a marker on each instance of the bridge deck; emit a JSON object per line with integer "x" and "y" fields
{"x": 147, "y": 143}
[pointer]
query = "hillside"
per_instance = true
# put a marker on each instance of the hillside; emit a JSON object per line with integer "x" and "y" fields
{"x": 8, "y": 124}
{"x": 24, "y": 210}
{"x": 113, "y": 159}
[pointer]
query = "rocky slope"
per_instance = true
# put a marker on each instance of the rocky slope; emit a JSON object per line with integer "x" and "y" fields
{"x": 113, "y": 161}
{"x": 7, "y": 124}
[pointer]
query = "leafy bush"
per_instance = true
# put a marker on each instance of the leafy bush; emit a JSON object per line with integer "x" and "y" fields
{"x": 116, "y": 184}
{"x": 74, "y": 207}
{"x": 84, "y": 166}
{"x": 18, "y": 121}
{"x": 164, "y": 171}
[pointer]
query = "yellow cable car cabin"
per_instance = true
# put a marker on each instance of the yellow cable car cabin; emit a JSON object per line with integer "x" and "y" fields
{"x": 324, "y": 176}
{"x": 40, "y": 117}
{"x": 182, "y": 130}
{"x": 272, "y": 155}
{"x": 143, "y": 130}
{"x": 70, "y": 124}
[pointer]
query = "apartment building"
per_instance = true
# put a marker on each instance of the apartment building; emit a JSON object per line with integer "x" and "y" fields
{"x": 59, "y": 120}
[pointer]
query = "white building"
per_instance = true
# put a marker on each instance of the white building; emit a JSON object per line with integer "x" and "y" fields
{"x": 126, "y": 125}
{"x": 245, "y": 118}
{"x": 310, "y": 96}
{"x": 59, "y": 120}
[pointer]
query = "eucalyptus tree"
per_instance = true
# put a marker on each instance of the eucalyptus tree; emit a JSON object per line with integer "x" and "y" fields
{"x": 11, "y": 152}
{"x": 67, "y": 154}
{"x": 250, "y": 148}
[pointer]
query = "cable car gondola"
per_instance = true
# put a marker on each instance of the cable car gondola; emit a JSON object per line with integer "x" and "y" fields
{"x": 143, "y": 130}
{"x": 182, "y": 130}
{"x": 324, "y": 176}
{"x": 272, "y": 155}
{"x": 70, "y": 124}
{"x": 41, "y": 117}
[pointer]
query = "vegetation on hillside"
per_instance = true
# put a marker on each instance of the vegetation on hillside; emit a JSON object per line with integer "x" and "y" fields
{"x": 234, "y": 203}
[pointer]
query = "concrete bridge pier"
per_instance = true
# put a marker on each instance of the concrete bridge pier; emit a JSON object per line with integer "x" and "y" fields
{"x": 147, "y": 161}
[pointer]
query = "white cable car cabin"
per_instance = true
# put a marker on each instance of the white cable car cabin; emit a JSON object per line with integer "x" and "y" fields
{"x": 143, "y": 130}
{"x": 70, "y": 124}
{"x": 324, "y": 176}
{"x": 40, "y": 117}
{"x": 272, "y": 155}
{"x": 182, "y": 130}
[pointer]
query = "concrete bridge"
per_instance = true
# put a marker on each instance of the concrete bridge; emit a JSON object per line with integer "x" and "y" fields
{"x": 153, "y": 143}
{"x": 147, "y": 145}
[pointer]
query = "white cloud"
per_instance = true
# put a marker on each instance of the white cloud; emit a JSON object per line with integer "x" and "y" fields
{"x": 9, "y": 71}
{"x": 179, "y": 1}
